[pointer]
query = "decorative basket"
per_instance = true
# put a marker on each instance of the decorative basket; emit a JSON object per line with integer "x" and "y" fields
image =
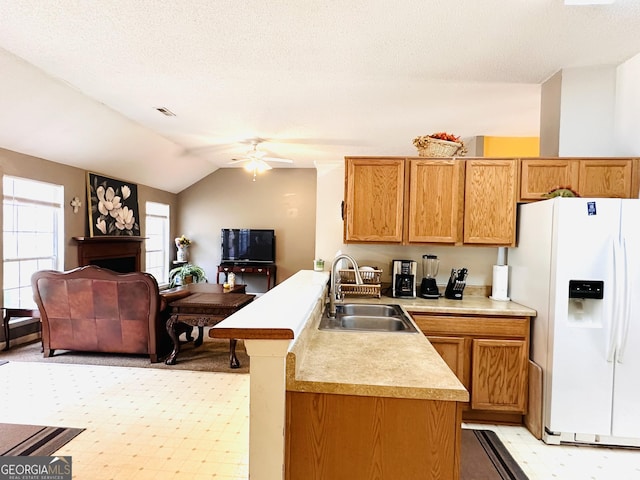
{"x": 433, "y": 147}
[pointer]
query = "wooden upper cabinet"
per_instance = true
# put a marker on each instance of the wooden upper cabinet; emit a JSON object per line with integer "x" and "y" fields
{"x": 436, "y": 193}
{"x": 374, "y": 199}
{"x": 595, "y": 177}
{"x": 490, "y": 198}
{"x": 607, "y": 177}
{"x": 541, "y": 175}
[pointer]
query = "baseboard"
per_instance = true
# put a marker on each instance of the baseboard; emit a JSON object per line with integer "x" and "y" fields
{"x": 24, "y": 339}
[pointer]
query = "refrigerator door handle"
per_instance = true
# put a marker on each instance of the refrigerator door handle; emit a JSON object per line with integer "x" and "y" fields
{"x": 626, "y": 316}
{"x": 618, "y": 287}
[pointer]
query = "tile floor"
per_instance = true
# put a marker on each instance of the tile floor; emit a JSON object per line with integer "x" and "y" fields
{"x": 160, "y": 424}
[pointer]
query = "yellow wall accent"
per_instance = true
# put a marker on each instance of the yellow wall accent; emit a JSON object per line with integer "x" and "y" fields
{"x": 511, "y": 146}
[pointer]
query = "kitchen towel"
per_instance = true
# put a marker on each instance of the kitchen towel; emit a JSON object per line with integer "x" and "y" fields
{"x": 500, "y": 283}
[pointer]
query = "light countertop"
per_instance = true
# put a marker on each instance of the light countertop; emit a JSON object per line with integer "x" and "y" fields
{"x": 469, "y": 305}
{"x": 385, "y": 364}
{"x": 400, "y": 365}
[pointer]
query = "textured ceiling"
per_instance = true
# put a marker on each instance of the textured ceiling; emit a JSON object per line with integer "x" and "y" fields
{"x": 80, "y": 81}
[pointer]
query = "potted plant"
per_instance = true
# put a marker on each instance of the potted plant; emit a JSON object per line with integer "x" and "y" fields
{"x": 187, "y": 273}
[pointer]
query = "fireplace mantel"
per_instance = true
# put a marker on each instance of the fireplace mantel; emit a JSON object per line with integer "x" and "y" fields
{"x": 121, "y": 253}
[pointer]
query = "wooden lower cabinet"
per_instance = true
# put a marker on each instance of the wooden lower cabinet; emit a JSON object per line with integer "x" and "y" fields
{"x": 499, "y": 375}
{"x": 490, "y": 356}
{"x": 452, "y": 351}
{"x": 348, "y": 437}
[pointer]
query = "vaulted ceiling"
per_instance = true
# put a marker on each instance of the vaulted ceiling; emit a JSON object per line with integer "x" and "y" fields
{"x": 81, "y": 82}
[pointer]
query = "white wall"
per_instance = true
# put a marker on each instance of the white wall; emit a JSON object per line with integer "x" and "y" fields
{"x": 282, "y": 198}
{"x": 592, "y": 111}
{"x": 479, "y": 260}
{"x": 627, "y": 119}
{"x": 550, "y": 116}
{"x": 587, "y": 112}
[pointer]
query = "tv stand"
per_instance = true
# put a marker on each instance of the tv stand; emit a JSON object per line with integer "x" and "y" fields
{"x": 268, "y": 269}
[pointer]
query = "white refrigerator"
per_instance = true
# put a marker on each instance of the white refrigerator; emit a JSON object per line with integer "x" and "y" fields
{"x": 577, "y": 263}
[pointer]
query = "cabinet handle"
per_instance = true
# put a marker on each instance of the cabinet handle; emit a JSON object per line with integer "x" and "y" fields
{"x": 342, "y": 210}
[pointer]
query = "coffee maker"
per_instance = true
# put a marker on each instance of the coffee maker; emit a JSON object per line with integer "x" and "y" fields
{"x": 403, "y": 278}
{"x": 429, "y": 287}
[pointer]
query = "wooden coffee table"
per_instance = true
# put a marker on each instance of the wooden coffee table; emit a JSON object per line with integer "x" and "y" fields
{"x": 173, "y": 294}
{"x": 205, "y": 307}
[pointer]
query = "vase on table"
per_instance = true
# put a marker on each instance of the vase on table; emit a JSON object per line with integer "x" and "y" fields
{"x": 182, "y": 254}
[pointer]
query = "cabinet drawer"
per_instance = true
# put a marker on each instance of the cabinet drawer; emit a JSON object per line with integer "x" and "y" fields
{"x": 501, "y": 327}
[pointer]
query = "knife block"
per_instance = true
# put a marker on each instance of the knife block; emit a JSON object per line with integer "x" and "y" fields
{"x": 454, "y": 289}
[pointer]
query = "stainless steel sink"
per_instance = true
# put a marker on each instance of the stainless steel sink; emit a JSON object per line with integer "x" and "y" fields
{"x": 364, "y": 322}
{"x": 368, "y": 318}
{"x": 369, "y": 309}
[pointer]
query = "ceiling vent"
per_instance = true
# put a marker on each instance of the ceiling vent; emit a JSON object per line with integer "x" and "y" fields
{"x": 166, "y": 112}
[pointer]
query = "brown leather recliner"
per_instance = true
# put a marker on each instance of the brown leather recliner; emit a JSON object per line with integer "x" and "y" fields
{"x": 97, "y": 310}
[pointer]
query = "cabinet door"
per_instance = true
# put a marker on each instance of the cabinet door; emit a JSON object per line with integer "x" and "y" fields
{"x": 606, "y": 177}
{"x": 436, "y": 193}
{"x": 374, "y": 198}
{"x": 542, "y": 175}
{"x": 499, "y": 375}
{"x": 490, "y": 198}
{"x": 451, "y": 349}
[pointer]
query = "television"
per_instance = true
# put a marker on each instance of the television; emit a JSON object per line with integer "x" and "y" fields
{"x": 248, "y": 245}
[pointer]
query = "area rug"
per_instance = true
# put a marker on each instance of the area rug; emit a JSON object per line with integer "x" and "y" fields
{"x": 484, "y": 457}
{"x": 33, "y": 440}
{"x": 211, "y": 356}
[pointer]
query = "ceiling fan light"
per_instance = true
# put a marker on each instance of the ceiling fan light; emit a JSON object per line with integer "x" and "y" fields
{"x": 262, "y": 166}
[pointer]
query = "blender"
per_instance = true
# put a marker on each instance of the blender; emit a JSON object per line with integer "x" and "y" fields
{"x": 429, "y": 288}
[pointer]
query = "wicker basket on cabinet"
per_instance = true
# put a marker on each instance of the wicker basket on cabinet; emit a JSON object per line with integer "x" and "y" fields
{"x": 438, "y": 148}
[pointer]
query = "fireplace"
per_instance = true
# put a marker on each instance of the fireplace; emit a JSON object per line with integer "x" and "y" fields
{"x": 120, "y": 254}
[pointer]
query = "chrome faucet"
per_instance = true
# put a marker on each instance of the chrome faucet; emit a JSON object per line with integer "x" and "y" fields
{"x": 335, "y": 293}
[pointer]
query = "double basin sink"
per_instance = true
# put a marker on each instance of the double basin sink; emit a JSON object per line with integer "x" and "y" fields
{"x": 368, "y": 317}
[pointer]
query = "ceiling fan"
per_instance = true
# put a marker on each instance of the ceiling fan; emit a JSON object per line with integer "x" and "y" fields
{"x": 256, "y": 161}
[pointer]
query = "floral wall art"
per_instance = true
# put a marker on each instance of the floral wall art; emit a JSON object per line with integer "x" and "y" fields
{"x": 113, "y": 207}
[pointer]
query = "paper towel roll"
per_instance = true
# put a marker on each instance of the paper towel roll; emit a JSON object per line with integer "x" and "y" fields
{"x": 500, "y": 282}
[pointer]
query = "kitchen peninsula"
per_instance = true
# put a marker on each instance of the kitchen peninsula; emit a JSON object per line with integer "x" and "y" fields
{"x": 300, "y": 375}
{"x": 336, "y": 404}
